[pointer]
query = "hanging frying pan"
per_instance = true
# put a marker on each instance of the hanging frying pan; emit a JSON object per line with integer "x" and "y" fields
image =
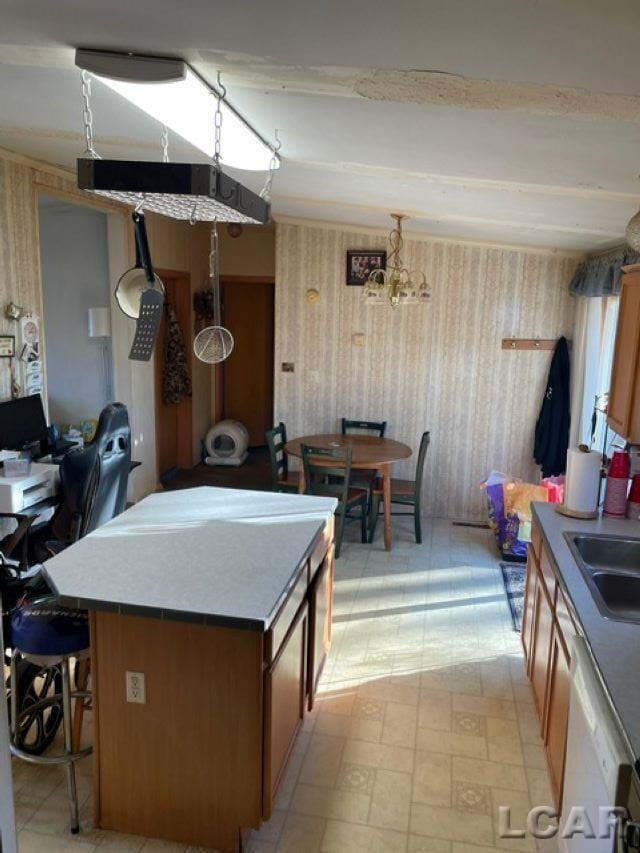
{"x": 135, "y": 281}
{"x": 151, "y": 299}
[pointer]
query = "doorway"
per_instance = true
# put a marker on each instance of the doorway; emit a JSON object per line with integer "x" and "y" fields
{"x": 244, "y": 381}
{"x": 74, "y": 262}
{"x": 173, "y": 420}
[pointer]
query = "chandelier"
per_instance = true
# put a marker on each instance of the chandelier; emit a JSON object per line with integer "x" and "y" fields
{"x": 396, "y": 284}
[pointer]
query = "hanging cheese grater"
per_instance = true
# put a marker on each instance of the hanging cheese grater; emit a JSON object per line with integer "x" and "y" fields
{"x": 214, "y": 344}
{"x": 151, "y": 299}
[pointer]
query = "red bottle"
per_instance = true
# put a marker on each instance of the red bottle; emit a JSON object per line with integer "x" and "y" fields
{"x": 615, "y": 496}
{"x": 633, "y": 507}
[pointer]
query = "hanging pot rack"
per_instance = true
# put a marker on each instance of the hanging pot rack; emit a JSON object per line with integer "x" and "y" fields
{"x": 195, "y": 192}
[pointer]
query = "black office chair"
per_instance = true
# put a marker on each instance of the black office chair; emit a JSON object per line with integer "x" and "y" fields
{"x": 93, "y": 486}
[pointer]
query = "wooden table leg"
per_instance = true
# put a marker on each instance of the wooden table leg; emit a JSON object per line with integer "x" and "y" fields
{"x": 301, "y": 480}
{"x": 386, "y": 501}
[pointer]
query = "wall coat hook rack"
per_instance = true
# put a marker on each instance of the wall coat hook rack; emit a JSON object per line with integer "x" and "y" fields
{"x": 529, "y": 343}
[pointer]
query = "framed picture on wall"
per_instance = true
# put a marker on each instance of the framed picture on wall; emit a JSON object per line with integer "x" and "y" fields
{"x": 360, "y": 263}
{"x": 7, "y": 346}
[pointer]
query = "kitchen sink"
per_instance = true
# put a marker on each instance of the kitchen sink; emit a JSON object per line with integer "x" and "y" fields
{"x": 611, "y": 553}
{"x": 611, "y": 567}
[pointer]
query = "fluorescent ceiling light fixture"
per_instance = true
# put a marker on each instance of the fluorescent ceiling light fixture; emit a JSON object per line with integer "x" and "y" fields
{"x": 172, "y": 93}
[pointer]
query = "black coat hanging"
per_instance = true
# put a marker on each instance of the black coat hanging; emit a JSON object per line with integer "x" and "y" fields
{"x": 552, "y": 427}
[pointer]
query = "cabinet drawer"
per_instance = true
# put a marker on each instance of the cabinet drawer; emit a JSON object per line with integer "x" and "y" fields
{"x": 536, "y": 541}
{"x": 548, "y": 575}
{"x": 286, "y": 615}
{"x": 321, "y": 549}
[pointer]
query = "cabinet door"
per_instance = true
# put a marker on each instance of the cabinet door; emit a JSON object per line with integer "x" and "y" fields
{"x": 540, "y": 648}
{"x": 285, "y": 690}
{"x": 528, "y": 613}
{"x": 624, "y": 375}
{"x": 320, "y": 616}
{"x": 557, "y": 713}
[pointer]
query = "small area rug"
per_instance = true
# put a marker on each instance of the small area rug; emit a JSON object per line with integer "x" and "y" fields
{"x": 513, "y": 578}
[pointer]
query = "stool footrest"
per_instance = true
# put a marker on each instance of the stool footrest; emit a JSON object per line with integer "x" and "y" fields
{"x": 64, "y": 758}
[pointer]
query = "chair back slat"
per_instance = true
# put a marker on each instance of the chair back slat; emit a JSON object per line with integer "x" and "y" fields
{"x": 276, "y": 441}
{"x": 422, "y": 455}
{"x": 327, "y": 470}
{"x": 379, "y": 427}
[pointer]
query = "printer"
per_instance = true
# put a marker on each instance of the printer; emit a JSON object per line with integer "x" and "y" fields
{"x": 20, "y": 493}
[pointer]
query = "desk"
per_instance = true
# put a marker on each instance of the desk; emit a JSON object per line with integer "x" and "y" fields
{"x": 367, "y": 451}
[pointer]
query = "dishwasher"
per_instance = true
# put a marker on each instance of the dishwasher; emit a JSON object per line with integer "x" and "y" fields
{"x": 597, "y": 769}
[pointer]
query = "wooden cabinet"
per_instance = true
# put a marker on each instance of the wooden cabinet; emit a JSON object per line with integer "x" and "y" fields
{"x": 285, "y": 692}
{"x": 320, "y": 619}
{"x": 624, "y": 398}
{"x": 223, "y": 707}
{"x": 540, "y": 647}
{"x": 557, "y": 711}
{"x": 547, "y": 628}
{"x": 528, "y": 612}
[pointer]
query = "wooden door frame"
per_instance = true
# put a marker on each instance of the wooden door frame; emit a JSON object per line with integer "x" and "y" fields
{"x": 185, "y": 406}
{"x": 218, "y": 386}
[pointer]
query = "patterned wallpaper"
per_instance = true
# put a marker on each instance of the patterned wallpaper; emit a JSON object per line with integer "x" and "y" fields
{"x": 438, "y": 366}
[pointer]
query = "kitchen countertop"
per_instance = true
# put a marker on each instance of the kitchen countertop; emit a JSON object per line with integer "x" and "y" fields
{"x": 208, "y": 555}
{"x": 614, "y": 646}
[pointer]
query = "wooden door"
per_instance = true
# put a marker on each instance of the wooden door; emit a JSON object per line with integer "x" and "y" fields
{"x": 247, "y": 375}
{"x": 285, "y": 691}
{"x": 320, "y": 618}
{"x": 540, "y": 647}
{"x": 624, "y": 374}
{"x": 559, "y": 691}
{"x": 528, "y": 612}
{"x": 173, "y": 420}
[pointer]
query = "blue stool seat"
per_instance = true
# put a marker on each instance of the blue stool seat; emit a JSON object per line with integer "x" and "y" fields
{"x": 43, "y": 627}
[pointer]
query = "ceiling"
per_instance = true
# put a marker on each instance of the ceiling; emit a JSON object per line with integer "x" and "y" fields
{"x": 510, "y": 121}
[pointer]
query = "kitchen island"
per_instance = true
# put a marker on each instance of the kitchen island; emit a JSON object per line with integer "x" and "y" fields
{"x": 217, "y": 603}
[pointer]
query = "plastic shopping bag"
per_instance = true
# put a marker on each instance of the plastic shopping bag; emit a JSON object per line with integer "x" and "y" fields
{"x": 509, "y": 506}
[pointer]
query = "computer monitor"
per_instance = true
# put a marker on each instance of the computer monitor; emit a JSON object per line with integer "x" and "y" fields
{"x": 22, "y": 422}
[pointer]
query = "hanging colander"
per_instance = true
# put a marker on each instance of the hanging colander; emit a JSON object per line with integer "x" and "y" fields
{"x": 214, "y": 344}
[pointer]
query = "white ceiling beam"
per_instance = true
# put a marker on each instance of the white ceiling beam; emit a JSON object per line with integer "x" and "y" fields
{"x": 430, "y": 216}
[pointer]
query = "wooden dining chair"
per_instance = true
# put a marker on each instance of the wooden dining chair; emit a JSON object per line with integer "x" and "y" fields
{"x": 407, "y": 492}
{"x": 363, "y": 478}
{"x": 282, "y": 480}
{"x": 327, "y": 471}
{"x": 379, "y": 427}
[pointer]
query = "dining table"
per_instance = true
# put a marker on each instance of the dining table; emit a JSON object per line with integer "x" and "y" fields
{"x": 367, "y": 452}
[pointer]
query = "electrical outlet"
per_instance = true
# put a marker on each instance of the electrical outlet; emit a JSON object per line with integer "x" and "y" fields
{"x": 136, "y": 687}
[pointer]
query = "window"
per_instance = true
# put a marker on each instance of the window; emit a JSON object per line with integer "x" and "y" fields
{"x": 596, "y": 323}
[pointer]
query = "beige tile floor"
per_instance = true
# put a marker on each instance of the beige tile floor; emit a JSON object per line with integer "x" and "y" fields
{"x": 423, "y": 728}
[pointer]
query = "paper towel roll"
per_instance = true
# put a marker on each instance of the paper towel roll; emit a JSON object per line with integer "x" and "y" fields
{"x": 582, "y": 481}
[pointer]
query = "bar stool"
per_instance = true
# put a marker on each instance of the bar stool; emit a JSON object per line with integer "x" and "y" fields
{"x": 47, "y": 634}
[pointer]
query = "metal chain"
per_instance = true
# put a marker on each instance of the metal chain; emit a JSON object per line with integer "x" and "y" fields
{"x": 87, "y": 117}
{"x": 273, "y": 165}
{"x": 220, "y": 96}
{"x": 214, "y": 273}
{"x": 164, "y": 141}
